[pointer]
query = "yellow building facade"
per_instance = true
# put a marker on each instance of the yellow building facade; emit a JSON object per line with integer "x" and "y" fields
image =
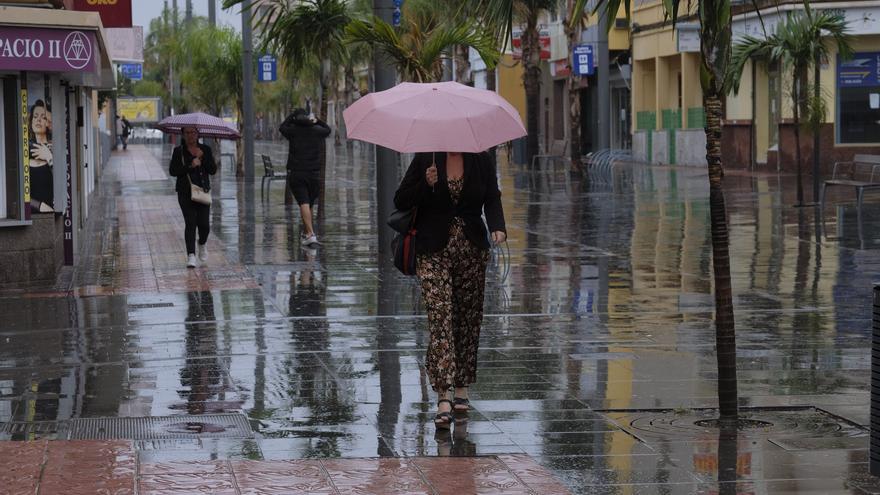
{"x": 667, "y": 98}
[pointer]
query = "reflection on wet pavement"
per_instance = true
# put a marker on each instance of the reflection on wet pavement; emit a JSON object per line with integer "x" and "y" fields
{"x": 596, "y": 358}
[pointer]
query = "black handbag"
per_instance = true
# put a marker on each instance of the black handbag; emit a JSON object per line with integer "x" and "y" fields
{"x": 402, "y": 220}
{"x": 404, "y": 243}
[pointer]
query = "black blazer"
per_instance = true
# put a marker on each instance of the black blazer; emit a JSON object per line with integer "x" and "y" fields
{"x": 200, "y": 175}
{"x": 435, "y": 210}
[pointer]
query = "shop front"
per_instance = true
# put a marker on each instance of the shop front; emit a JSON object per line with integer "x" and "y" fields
{"x": 51, "y": 63}
{"x": 759, "y": 127}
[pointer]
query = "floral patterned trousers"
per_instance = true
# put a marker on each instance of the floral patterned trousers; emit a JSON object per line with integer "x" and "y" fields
{"x": 453, "y": 282}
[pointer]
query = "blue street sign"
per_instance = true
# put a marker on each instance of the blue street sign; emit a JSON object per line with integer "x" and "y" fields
{"x": 582, "y": 60}
{"x": 862, "y": 70}
{"x": 135, "y": 72}
{"x": 267, "y": 68}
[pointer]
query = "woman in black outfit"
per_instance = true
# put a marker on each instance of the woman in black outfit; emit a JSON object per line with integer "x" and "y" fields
{"x": 451, "y": 191}
{"x": 195, "y": 161}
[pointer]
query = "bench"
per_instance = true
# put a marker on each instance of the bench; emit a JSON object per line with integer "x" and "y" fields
{"x": 863, "y": 172}
{"x": 269, "y": 174}
{"x": 556, "y": 152}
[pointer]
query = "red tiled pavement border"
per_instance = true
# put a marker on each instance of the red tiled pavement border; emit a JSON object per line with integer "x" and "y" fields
{"x": 90, "y": 467}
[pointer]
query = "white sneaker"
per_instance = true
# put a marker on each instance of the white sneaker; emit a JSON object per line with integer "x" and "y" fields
{"x": 203, "y": 253}
{"x": 191, "y": 261}
{"x": 310, "y": 240}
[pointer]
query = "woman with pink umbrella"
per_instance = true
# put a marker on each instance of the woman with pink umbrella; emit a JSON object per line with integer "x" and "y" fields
{"x": 449, "y": 184}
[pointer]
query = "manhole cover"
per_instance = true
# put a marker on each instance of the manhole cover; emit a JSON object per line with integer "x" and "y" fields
{"x": 161, "y": 428}
{"x": 781, "y": 426}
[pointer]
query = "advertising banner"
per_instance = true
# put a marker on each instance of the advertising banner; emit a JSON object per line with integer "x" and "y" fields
{"x": 862, "y": 70}
{"x": 39, "y": 159}
{"x": 114, "y": 13}
{"x": 47, "y": 50}
{"x": 139, "y": 110}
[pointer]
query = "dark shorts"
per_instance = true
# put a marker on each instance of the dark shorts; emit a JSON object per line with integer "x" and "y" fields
{"x": 305, "y": 186}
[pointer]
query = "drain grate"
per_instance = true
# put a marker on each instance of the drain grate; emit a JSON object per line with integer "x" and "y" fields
{"x": 32, "y": 430}
{"x": 151, "y": 305}
{"x": 162, "y": 428}
{"x": 795, "y": 428}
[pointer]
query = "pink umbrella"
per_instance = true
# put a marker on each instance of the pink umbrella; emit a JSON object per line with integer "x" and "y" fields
{"x": 208, "y": 125}
{"x": 447, "y": 116}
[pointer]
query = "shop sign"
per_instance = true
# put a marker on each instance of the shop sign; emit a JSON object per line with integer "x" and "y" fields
{"x": 862, "y": 70}
{"x": 26, "y": 159}
{"x": 687, "y": 38}
{"x": 543, "y": 42}
{"x": 114, "y": 13}
{"x": 135, "y": 72}
{"x": 560, "y": 68}
{"x": 125, "y": 44}
{"x": 582, "y": 58}
{"x": 47, "y": 50}
{"x": 68, "y": 207}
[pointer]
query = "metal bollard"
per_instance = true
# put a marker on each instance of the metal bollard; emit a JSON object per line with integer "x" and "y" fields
{"x": 874, "y": 452}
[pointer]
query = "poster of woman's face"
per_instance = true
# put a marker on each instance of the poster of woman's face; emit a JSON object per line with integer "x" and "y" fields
{"x": 40, "y": 145}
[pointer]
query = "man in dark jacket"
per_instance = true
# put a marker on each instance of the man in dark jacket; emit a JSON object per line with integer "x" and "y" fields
{"x": 306, "y": 136}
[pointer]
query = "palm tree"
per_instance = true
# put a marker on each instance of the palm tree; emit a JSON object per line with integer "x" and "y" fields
{"x": 303, "y": 31}
{"x": 417, "y": 47}
{"x": 213, "y": 75}
{"x": 797, "y": 44}
{"x": 715, "y": 54}
{"x": 161, "y": 47}
{"x": 503, "y": 13}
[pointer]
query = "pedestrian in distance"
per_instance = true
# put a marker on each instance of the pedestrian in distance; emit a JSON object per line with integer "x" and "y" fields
{"x": 452, "y": 247}
{"x": 193, "y": 163}
{"x": 126, "y": 132}
{"x": 306, "y": 136}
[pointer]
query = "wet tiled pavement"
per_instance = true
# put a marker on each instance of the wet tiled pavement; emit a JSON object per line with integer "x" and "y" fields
{"x": 596, "y": 362}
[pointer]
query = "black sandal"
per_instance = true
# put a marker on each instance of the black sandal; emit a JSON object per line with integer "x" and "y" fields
{"x": 444, "y": 420}
{"x": 461, "y": 404}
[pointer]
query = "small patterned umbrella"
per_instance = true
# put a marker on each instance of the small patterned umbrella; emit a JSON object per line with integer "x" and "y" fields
{"x": 208, "y": 125}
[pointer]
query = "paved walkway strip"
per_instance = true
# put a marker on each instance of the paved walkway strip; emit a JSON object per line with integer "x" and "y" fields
{"x": 111, "y": 467}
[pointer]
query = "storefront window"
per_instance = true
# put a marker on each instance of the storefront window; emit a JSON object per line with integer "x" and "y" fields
{"x": 858, "y": 99}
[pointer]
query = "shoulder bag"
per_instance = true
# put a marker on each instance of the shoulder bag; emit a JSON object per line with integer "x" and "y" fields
{"x": 404, "y": 243}
{"x": 197, "y": 193}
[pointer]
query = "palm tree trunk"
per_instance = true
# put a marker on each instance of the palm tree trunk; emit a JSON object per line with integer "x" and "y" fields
{"x": 531, "y": 59}
{"x": 462, "y": 65}
{"x": 725, "y": 330}
{"x": 350, "y": 86}
{"x": 797, "y": 140}
{"x": 490, "y": 79}
{"x": 574, "y": 99}
{"x": 816, "y": 131}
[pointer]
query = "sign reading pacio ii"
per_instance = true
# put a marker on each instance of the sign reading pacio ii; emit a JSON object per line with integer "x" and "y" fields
{"x": 47, "y": 50}
{"x": 114, "y": 13}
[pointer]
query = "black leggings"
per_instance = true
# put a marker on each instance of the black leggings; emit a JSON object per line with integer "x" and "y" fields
{"x": 195, "y": 215}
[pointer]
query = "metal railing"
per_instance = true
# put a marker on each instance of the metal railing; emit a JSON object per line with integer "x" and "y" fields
{"x": 600, "y": 165}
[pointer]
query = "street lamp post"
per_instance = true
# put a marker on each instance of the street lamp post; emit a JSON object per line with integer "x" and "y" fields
{"x": 386, "y": 159}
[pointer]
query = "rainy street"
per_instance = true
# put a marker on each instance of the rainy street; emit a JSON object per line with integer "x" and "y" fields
{"x": 280, "y": 368}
